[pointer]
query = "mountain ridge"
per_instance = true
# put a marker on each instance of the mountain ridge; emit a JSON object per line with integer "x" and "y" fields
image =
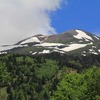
{"x": 55, "y": 37}
{"x": 68, "y": 41}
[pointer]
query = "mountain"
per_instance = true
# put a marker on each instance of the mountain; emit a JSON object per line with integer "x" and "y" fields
{"x": 72, "y": 41}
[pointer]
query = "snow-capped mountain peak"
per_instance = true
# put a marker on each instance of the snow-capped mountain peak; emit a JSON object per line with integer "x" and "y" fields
{"x": 82, "y": 35}
{"x": 70, "y": 41}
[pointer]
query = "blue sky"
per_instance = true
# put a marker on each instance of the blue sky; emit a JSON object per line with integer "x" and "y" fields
{"x": 78, "y": 14}
{"x": 20, "y": 19}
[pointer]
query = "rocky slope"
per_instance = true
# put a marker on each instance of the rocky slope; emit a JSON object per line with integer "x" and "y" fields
{"x": 73, "y": 41}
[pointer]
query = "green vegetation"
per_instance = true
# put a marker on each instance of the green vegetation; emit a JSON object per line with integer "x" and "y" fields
{"x": 49, "y": 77}
{"x": 84, "y": 86}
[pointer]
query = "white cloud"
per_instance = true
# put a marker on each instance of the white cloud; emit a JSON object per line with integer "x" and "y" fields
{"x": 23, "y": 18}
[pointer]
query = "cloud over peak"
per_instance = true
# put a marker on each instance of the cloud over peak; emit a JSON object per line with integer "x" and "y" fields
{"x": 23, "y": 18}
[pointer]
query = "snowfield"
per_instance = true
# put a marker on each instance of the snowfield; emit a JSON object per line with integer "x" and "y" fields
{"x": 82, "y": 35}
{"x": 33, "y": 39}
{"x": 73, "y": 47}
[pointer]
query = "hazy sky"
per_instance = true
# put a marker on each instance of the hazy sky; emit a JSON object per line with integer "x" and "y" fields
{"x": 23, "y": 18}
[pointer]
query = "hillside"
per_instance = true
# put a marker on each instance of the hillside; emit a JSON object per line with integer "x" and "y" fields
{"x": 49, "y": 77}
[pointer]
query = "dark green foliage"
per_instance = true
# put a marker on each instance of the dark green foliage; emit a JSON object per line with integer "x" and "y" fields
{"x": 27, "y": 78}
{"x": 40, "y": 77}
{"x": 75, "y": 65}
{"x": 8, "y": 89}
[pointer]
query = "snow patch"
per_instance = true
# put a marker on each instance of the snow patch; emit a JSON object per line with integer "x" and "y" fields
{"x": 90, "y": 43}
{"x": 30, "y": 51}
{"x": 33, "y": 39}
{"x": 55, "y": 50}
{"x": 84, "y": 51}
{"x": 95, "y": 53}
{"x": 80, "y": 41}
{"x": 45, "y": 52}
{"x": 96, "y": 37}
{"x": 99, "y": 50}
{"x": 91, "y": 50}
{"x": 3, "y": 53}
{"x": 82, "y": 35}
{"x": 58, "y": 51}
{"x": 34, "y": 53}
{"x": 86, "y": 39}
{"x": 94, "y": 47}
{"x": 83, "y": 54}
{"x": 62, "y": 52}
{"x": 49, "y": 44}
{"x": 71, "y": 42}
{"x": 73, "y": 47}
